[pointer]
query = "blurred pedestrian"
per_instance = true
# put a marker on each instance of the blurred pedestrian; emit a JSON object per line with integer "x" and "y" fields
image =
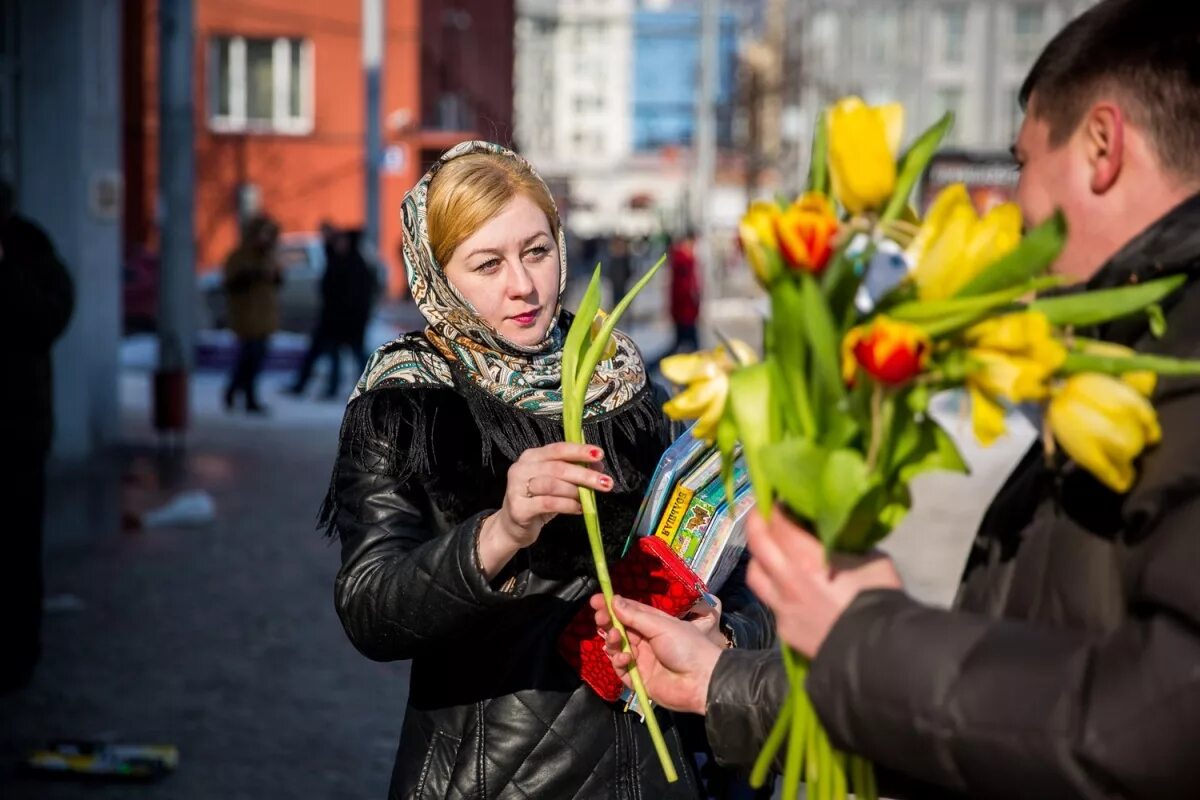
{"x": 685, "y": 294}
{"x": 252, "y": 280}
{"x": 348, "y": 291}
{"x": 456, "y": 502}
{"x": 619, "y": 267}
{"x": 36, "y": 301}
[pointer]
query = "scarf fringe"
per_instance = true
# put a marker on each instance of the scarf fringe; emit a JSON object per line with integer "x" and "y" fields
{"x": 406, "y": 417}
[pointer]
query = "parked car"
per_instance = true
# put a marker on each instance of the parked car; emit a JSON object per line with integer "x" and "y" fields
{"x": 302, "y": 256}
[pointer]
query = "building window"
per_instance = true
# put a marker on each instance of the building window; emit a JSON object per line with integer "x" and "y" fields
{"x": 883, "y": 31}
{"x": 1028, "y": 24}
{"x": 261, "y": 85}
{"x": 954, "y": 34}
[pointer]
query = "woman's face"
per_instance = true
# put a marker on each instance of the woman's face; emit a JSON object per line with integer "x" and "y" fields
{"x": 508, "y": 270}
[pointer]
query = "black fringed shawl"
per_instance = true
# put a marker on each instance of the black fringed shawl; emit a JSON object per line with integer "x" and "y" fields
{"x": 455, "y": 444}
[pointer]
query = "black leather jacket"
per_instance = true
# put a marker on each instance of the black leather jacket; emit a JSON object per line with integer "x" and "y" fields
{"x": 1069, "y": 668}
{"x": 493, "y": 710}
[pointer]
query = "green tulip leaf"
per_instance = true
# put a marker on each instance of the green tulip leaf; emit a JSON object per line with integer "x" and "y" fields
{"x": 580, "y": 330}
{"x": 912, "y": 165}
{"x": 587, "y": 365}
{"x": 818, "y": 167}
{"x": 1032, "y": 257}
{"x": 930, "y": 312}
{"x": 1104, "y": 305}
{"x": 1119, "y": 365}
{"x": 1157, "y": 321}
{"x": 795, "y": 468}
{"x": 936, "y": 451}
{"x": 844, "y": 486}
{"x": 828, "y": 389}
{"x": 791, "y": 348}
{"x": 750, "y": 405}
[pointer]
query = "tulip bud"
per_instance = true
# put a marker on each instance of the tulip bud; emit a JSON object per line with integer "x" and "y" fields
{"x": 890, "y": 352}
{"x": 806, "y": 232}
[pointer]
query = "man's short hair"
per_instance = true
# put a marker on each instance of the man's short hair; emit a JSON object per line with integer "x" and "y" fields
{"x": 1147, "y": 52}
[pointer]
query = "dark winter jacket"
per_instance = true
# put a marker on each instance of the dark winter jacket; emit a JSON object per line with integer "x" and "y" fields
{"x": 1071, "y": 667}
{"x": 493, "y": 710}
{"x": 36, "y": 301}
{"x": 348, "y": 290}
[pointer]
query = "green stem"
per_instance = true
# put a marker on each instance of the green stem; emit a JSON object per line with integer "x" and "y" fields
{"x": 794, "y": 765}
{"x": 591, "y": 520}
{"x": 775, "y": 739}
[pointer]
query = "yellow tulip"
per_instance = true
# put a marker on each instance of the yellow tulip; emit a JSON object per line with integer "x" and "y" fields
{"x": 1143, "y": 381}
{"x": 1103, "y": 424}
{"x": 756, "y": 232}
{"x": 954, "y": 245}
{"x": 706, "y": 376}
{"x": 1012, "y": 357}
{"x": 610, "y": 349}
{"x": 864, "y": 142}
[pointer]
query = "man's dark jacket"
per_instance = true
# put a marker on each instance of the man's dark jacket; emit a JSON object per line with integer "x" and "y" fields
{"x": 36, "y": 300}
{"x": 1071, "y": 667}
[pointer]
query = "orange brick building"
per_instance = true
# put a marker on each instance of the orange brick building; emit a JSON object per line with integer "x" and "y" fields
{"x": 280, "y": 110}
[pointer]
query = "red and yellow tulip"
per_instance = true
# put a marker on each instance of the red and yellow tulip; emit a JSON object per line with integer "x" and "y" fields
{"x": 891, "y": 352}
{"x": 806, "y": 233}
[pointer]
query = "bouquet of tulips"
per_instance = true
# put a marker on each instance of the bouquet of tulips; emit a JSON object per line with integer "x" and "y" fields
{"x": 834, "y": 420}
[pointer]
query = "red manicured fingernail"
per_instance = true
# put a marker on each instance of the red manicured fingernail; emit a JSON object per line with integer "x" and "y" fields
{"x": 595, "y": 452}
{"x": 606, "y": 482}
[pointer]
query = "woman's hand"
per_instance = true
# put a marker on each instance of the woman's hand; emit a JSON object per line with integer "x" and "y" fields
{"x": 675, "y": 657}
{"x": 543, "y": 483}
{"x": 707, "y": 619}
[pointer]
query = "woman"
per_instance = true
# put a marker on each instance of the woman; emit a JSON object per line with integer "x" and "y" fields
{"x": 252, "y": 278}
{"x": 456, "y": 504}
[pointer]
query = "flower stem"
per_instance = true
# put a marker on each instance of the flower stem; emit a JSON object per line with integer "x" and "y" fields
{"x": 591, "y": 520}
{"x": 775, "y": 740}
{"x": 877, "y": 424}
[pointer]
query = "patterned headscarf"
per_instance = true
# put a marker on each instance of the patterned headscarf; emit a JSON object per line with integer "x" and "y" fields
{"x": 528, "y": 378}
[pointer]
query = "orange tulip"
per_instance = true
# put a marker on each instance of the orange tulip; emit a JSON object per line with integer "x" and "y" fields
{"x": 891, "y": 352}
{"x": 806, "y": 232}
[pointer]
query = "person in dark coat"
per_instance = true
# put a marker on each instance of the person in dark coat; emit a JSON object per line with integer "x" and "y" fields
{"x": 252, "y": 279}
{"x": 36, "y": 301}
{"x": 348, "y": 289}
{"x": 1070, "y": 666}
{"x": 455, "y": 500}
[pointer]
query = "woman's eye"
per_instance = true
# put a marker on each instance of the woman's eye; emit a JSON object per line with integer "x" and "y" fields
{"x": 491, "y": 265}
{"x": 538, "y": 253}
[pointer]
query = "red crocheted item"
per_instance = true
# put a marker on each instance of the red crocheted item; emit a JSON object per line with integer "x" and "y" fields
{"x": 650, "y": 573}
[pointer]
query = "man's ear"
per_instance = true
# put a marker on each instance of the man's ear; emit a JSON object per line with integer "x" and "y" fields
{"x": 1104, "y": 140}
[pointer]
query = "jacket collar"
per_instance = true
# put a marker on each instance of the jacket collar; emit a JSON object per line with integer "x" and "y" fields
{"x": 1171, "y": 245}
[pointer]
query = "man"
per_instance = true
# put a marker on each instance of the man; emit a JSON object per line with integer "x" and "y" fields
{"x": 36, "y": 300}
{"x": 1071, "y": 665}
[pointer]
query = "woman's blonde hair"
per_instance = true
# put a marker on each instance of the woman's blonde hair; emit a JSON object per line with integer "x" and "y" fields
{"x": 468, "y": 191}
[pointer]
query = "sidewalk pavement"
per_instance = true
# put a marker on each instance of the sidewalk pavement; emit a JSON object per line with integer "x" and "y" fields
{"x": 223, "y": 639}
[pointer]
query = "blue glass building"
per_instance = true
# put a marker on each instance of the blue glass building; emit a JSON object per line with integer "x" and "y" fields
{"x": 666, "y": 74}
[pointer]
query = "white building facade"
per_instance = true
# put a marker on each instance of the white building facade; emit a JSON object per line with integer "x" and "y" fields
{"x": 965, "y": 56}
{"x": 572, "y": 79}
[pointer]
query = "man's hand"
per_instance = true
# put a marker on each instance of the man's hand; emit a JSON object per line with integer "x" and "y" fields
{"x": 675, "y": 658}
{"x": 789, "y": 573}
